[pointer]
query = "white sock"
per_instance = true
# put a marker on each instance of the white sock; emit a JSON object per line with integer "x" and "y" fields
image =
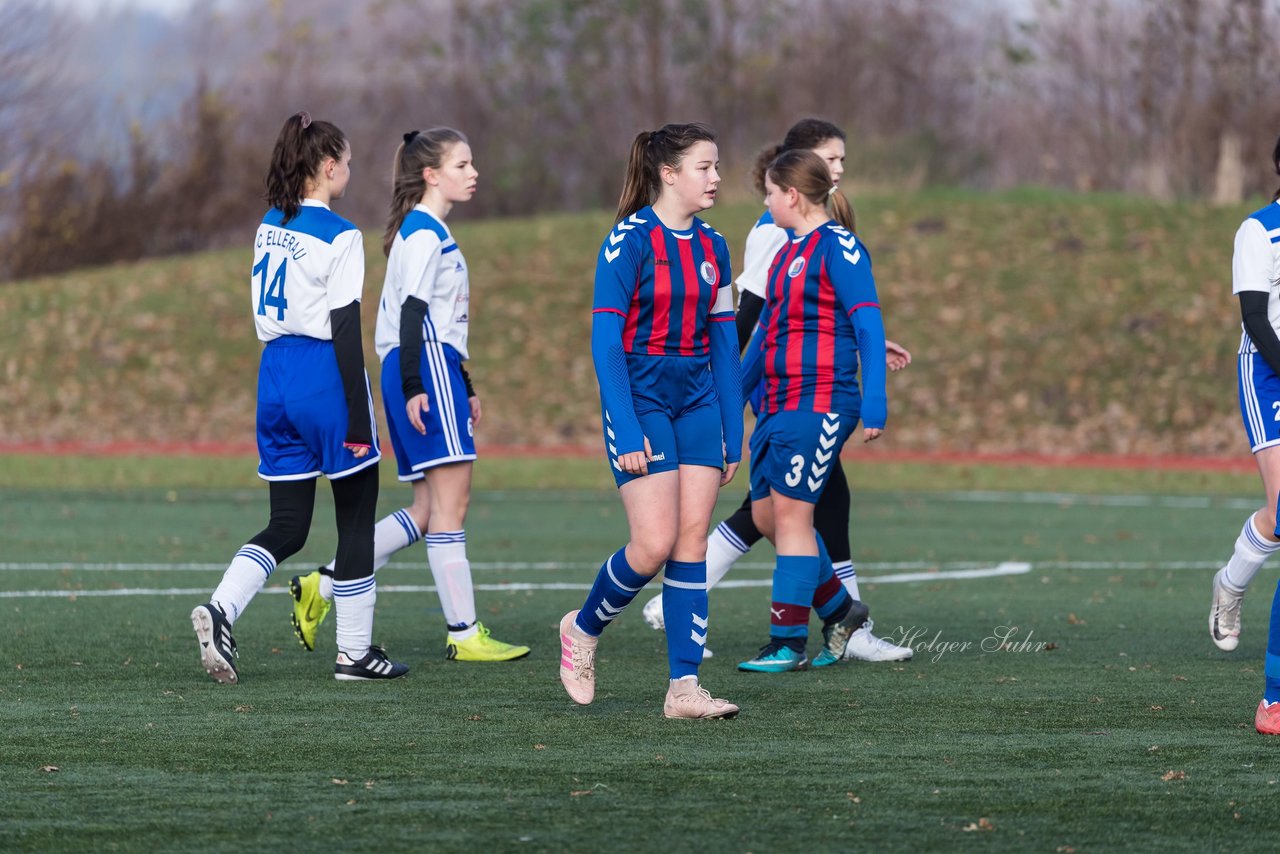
{"x": 724, "y": 547}
{"x": 390, "y": 535}
{"x": 848, "y": 577}
{"x": 249, "y": 570}
{"x": 1252, "y": 551}
{"x": 353, "y": 602}
{"x": 447, "y": 554}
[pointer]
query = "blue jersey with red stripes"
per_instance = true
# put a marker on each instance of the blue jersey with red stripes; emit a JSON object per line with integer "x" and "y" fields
{"x": 816, "y": 284}
{"x": 666, "y": 283}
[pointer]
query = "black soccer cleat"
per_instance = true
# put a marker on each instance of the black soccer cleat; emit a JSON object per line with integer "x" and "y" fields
{"x": 374, "y": 665}
{"x": 217, "y": 647}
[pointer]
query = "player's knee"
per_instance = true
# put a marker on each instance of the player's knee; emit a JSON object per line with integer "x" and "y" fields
{"x": 648, "y": 553}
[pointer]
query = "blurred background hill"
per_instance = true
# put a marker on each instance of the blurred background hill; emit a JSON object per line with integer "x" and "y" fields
{"x": 1091, "y": 314}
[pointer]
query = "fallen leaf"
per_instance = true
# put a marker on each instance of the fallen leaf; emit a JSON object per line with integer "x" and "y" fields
{"x": 544, "y": 747}
{"x": 49, "y": 769}
{"x": 1074, "y": 620}
{"x": 579, "y": 792}
{"x": 338, "y": 781}
{"x": 981, "y": 824}
{"x": 1173, "y": 775}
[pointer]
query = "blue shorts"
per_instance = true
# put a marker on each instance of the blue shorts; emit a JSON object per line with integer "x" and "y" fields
{"x": 450, "y": 434}
{"x": 679, "y": 413}
{"x": 302, "y": 413}
{"x": 1259, "y": 401}
{"x": 792, "y": 452}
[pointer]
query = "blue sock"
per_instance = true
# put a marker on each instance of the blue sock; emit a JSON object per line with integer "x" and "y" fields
{"x": 831, "y": 600}
{"x": 1272, "y": 670}
{"x": 616, "y": 585}
{"x": 795, "y": 580}
{"x": 684, "y": 607}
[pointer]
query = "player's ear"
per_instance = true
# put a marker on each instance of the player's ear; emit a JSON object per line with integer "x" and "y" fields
{"x": 429, "y": 176}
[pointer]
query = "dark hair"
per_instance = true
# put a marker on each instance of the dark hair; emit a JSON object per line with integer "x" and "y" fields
{"x": 301, "y": 148}
{"x": 806, "y": 171}
{"x": 420, "y": 150}
{"x": 806, "y": 134}
{"x": 1275, "y": 162}
{"x": 650, "y": 151}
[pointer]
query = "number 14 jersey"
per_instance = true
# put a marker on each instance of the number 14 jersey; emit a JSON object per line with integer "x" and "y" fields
{"x": 302, "y": 270}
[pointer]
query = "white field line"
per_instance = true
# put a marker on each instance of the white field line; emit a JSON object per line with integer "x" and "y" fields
{"x": 1008, "y": 568}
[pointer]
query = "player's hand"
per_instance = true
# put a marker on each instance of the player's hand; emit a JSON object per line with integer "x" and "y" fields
{"x": 730, "y": 469}
{"x": 358, "y": 451}
{"x": 416, "y": 406}
{"x": 474, "y": 400}
{"x": 637, "y": 462}
{"x": 896, "y": 357}
{"x": 870, "y": 434}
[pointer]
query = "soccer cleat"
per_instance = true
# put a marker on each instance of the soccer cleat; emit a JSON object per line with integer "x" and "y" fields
{"x": 836, "y": 633}
{"x": 309, "y": 607}
{"x": 374, "y": 665}
{"x": 217, "y": 647}
{"x": 1267, "y": 719}
{"x": 864, "y": 646}
{"x": 1224, "y": 614}
{"x": 686, "y": 699}
{"x": 481, "y": 647}
{"x": 776, "y": 658}
{"x": 653, "y": 613}
{"x": 577, "y": 660}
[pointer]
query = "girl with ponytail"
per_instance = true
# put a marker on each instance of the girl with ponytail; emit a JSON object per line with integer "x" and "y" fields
{"x": 735, "y": 536}
{"x": 821, "y": 320}
{"x": 315, "y": 412}
{"x": 666, "y": 360}
{"x": 431, "y": 406}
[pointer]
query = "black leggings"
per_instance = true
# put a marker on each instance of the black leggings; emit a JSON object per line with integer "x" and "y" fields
{"x": 355, "y": 499}
{"x": 830, "y": 517}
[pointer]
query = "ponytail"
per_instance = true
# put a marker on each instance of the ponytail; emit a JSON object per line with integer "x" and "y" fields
{"x": 763, "y": 159}
{"x": 301, "y": 148}
{"x": 650, "y": 151}
{"x": 638, "y": 186}
{"x": 806, "y": 171}
{"x": 418, "y": 151}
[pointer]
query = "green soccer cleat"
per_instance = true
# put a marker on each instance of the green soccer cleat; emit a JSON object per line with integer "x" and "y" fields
{"x": 775, "y": 658}
{"x": 481, "y": 647}
{"x": 309, "y": 607}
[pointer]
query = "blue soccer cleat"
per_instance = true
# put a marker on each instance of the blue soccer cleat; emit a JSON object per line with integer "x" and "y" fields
{"x": 776, "y": 658}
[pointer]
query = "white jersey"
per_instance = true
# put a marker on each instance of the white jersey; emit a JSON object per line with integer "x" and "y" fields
{"x": 304, "y": 269}
{"x": 426, "y": 263}
{"x": 763, "y": 244}
{"x": 1256, "y": 264}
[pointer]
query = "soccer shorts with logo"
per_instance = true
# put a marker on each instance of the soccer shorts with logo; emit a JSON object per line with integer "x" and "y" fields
{"x": 679, "y": 413}
{"x": 302, "y": 413}
{"x": 1259, "y": 401}
{"x": 450, "y": 437}
{"x": 793, "y": 452}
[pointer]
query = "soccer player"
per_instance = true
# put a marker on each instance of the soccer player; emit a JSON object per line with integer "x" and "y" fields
{"x": 735, "y": 536}
{"x": 315, "y": 409}
{"x": 431, "y": 406}
{"x": 1255, "y": 274}
{"x": 821, "y": 318}
{"x": 662, "y": 340}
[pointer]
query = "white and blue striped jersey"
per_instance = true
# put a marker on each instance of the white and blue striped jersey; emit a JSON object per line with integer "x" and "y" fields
{"x": 304, "y": 269}
{"x": 763, "y": 243}
{"x": 425, "y": 262}
{"x": 1255, "y": 266}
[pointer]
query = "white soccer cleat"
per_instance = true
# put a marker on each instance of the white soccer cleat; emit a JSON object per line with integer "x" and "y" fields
{"x": 864, "y": 646}
{"x": 686, "y": 699}
{"x": 1224, "y": 614}
{"x": 653, "y": 613}
{"x": 577, "y": 660}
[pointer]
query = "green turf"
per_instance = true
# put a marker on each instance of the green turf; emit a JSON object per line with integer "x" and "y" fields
{"x": 1050, "y": 749}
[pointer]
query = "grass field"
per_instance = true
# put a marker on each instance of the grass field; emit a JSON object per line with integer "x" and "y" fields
{"x": 1127, "y": 729}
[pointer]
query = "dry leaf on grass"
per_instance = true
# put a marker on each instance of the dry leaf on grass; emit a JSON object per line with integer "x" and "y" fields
{"x": 1173, "y": 775}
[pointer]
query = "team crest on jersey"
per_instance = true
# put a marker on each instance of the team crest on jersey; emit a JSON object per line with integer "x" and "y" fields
{"x": 709, "y": 272}
{"x": 796, "y": 267}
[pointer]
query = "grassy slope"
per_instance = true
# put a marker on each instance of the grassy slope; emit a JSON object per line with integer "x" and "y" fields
{"x": 1039, "y": 321}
